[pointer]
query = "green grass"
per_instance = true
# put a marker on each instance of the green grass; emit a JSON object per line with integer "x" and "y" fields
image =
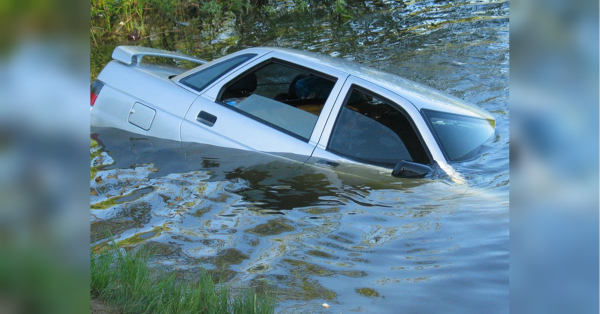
{"x": 125, "y": 281}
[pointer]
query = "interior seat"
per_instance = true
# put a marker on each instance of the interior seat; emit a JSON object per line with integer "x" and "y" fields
{"x": 291, "y": 94}
{"x": 243, "y": 87}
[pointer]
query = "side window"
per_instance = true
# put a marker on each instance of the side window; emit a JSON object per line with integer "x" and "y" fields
{"x": 201, "y": 79}
{"x": 371, "y": 130}
{"x": 460, "y": 137}
{"x": 283, "y": 96}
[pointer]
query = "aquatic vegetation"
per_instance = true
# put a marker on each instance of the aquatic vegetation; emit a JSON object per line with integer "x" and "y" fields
{"x": 98, "y": 158}
{"x": 141, "y": 237}
{"x": 189, "y": 204}
{"x": 218, "y": 275}
{"x": 112, "y": 201}
{"x": 313, "y": 290}
{"x": 104, "y": 229}
{"x": 353, "y": 273}
{"x": 105, "y": 204}
{"x": 93, "y": 145}
{"x": 202, "y": 211}
{"x": 201, "y": 189}
{"x": 302, "y": 267}
{"x": 138, "y": 212}
{"x": 293, "y": 287}
{"x": 273, "y": 227}
{"x": 160, "y": 249}
{"x": 308, "y": 289}
{"x": 229, "y": 257}
{"x": 367, "y": 292}
{"x": 340, "y": 238}
{"x": 254, "y": 242}
{"x": 221, "y": 198}
{"x": 321, "y": 210}
{"x": 258, "y": 268}
{"x": 322, "y": 254}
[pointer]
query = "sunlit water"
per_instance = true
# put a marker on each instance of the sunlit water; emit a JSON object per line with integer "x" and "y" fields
{"x": 316, "y": 236}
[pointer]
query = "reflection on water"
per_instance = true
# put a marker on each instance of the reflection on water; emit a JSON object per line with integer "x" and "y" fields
{"x": 315, "y": 235}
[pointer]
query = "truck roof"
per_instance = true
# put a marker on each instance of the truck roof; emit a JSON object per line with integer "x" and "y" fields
{"x": 422, "y": 96}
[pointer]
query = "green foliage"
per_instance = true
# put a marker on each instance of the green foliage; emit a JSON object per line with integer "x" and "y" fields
{"x": 340, "y": 6}
{"x": 237, "y": 6}
{"x": 166, "y": 8}
{"x": 93, "y": 36}
{"x": 125, "y": 281}
{"x": 104, "y": 9}
{"x": 139, "y": 11}
{"x": 118, "y": 17}
{"x": 211, "y": 8}
{"x": 301, "y": 6}
{"x": 340, "y": 11}
{"x": 269, "y": 10}
{"x": 113, "y": 20}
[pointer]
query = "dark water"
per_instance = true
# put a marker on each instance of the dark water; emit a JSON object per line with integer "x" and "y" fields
{"x": 317, "y": 236}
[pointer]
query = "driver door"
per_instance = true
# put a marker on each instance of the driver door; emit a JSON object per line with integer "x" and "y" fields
{"x": 258, "y": 107}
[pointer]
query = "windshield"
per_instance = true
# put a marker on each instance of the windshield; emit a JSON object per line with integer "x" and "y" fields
{"x": 460, "y": 137}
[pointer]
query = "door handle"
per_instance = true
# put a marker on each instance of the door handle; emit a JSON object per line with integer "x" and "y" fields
{"x": 206, "y": 118}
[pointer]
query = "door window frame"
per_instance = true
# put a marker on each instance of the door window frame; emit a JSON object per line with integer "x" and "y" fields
{"x": 352, "y": 85}
{"x": 296, "y": 63}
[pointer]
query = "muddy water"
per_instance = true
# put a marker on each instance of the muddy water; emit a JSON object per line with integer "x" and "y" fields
{"x": 313, "y": 235}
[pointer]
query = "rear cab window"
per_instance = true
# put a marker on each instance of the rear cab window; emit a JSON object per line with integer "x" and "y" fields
{"x": 283, "y": 95}
{"x": 201, "y": 79}
{"x": 460, "y": 137}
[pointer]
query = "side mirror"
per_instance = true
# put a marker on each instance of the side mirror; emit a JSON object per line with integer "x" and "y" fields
{"x": 409, "y": 169}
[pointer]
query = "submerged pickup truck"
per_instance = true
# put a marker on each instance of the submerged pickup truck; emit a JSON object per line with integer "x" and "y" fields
{"x": 298, "y": 105}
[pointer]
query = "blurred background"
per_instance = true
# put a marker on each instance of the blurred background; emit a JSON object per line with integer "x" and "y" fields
{"x": 44, "y": 131}
{"x": 44, "y": 136}
{"x": 554, "y": 156}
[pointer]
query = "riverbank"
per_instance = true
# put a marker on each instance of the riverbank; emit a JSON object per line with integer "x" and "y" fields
{"x": 142, "y": 19}
{"x": 207, "y": 29}
{"x": 123, "y": 282}
{"x": 99, "y": 307}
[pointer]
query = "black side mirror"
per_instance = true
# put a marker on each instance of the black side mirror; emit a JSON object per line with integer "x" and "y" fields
{"x": 409, "y": 169}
